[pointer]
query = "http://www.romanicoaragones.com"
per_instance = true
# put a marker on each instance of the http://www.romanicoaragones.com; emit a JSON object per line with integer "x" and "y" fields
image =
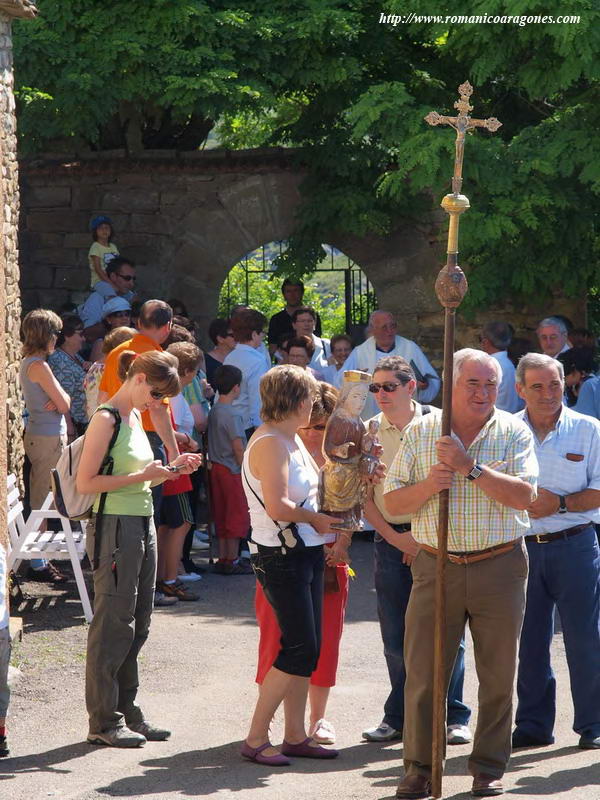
{"x": 477, "y": 19}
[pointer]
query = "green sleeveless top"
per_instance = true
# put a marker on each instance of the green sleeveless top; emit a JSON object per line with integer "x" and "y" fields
{"x": 131, "y": 453}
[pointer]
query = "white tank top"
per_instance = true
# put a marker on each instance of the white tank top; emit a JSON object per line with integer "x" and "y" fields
{"x": 302, "y": 486}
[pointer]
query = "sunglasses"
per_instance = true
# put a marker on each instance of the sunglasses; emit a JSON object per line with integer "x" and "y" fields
{"x": 55, "y": 331}
{"x": 156, "y": 395}
{"x": 387, "y": 387}
{"x": 120, "y": 314}
{"x": 128, "y": 278}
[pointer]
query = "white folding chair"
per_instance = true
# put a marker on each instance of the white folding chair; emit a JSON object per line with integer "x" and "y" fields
{"x": 28, "y": 542}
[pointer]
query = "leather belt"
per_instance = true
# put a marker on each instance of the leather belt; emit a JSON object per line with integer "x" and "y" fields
{"x": 542, "y": 538}
{"x": 476, "y": 555}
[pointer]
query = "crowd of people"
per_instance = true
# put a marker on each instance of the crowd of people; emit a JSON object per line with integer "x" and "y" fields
{"x": 523, "y": 467}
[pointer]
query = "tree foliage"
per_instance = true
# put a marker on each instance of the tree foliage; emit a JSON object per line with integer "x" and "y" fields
{"x": 350, "y": 93}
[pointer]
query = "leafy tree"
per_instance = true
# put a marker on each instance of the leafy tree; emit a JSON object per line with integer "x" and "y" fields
{"x": 349, "y": 92}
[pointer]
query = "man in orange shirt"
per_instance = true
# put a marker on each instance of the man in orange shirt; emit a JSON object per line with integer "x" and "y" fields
{"x": 154, "y": 327}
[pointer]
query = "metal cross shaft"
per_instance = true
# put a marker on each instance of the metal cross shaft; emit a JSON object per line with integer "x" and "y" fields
{"x": 451, "y": 286}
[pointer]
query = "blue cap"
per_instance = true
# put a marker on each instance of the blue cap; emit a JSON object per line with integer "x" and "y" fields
{"x": 97, "y": 221}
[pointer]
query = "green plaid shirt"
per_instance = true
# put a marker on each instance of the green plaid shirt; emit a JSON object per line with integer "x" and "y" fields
{"x": 504, "y": 443}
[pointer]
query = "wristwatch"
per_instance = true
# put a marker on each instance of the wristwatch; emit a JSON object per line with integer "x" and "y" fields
{"x": 562, "y": 504}
{"x": 475, "y": 472}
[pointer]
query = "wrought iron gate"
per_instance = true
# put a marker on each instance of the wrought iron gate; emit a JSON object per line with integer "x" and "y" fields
{"x": 359, "y": 295}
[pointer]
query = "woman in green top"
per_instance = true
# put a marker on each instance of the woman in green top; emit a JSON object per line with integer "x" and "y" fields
{"x": 125, "y": 572}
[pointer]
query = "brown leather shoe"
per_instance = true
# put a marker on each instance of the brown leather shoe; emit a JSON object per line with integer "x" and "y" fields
{"x": 486, "y": 785}
{"x": 414, "y": 787}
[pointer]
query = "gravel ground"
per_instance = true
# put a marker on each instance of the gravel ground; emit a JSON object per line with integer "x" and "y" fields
{"x": 197, "y": 672}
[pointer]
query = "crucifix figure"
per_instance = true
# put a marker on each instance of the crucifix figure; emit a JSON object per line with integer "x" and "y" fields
{"x": 451, "y": 286}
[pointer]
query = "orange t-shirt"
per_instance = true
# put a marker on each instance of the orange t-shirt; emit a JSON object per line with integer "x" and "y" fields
{"x": 111, "y": 382}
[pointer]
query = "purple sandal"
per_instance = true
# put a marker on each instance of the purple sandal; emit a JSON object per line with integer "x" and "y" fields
{"x": 304, "y": 750}
{"x": 255, "y": 754}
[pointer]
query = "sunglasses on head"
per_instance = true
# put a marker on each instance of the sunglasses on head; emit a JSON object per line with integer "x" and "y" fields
{"x": 126, "y": 277}
{"x": 387, "y": 387}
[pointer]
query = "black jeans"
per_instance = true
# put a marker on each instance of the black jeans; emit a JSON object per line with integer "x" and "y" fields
{"x": 293, "y": 585}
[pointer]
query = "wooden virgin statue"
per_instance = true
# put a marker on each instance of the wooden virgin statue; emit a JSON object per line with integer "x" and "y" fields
{"x": 342, "y": 477}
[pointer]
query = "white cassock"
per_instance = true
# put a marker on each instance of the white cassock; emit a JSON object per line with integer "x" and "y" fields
{"x": 366, "y": 355}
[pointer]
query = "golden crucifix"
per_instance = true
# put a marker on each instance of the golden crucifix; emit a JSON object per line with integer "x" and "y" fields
{"x": 450, "y": 286}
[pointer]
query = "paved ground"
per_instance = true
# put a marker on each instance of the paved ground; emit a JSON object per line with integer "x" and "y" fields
{"x": 197, "y": 675}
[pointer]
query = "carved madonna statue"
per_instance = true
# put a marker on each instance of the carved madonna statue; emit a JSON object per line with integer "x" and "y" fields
{"x": 341, "y": 477}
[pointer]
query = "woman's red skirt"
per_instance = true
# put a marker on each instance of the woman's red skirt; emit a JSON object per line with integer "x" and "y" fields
{"x": 334, "y": 607}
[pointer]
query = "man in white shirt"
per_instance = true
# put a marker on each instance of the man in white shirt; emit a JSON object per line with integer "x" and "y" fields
{"x": 553, "y": 336}
{"x": 383, "y": 341}
{"x": 564, "y": 560}
{"x": 495, "y": 338}
{"x": 304, "y": 321}
{"x": 248, "y": 331}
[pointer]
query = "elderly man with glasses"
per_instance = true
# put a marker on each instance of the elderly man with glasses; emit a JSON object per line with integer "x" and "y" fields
{"x": 490, "y": 468}
{"x": 384, "y": 341}
{"x": 393, "y": 387}
{"x": 120, "y": 283}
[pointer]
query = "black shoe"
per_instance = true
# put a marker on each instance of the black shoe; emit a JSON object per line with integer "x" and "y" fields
{"x": 4, "y": 751}
{"x": 49, "y": 574}
{"x": 191, "y": 566}
{"x": 525, "y": 740}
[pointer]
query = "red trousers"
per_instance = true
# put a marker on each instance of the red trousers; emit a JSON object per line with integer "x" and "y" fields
{"x": 229, "y": 504}
{"x": 334, "y": 607}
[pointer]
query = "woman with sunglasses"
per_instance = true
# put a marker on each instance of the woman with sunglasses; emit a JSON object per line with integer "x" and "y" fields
{"x": 116, "y": 313}
{"x": 121, "y": 544}
{"x": 334, "y": 599}
{"x": 69, "y": 369}
{"x": 221, "y": 335}
{"x": 46, "y": 403}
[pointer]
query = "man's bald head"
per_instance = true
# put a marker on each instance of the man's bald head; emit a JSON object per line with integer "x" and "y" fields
{"x": 382, "y": 325}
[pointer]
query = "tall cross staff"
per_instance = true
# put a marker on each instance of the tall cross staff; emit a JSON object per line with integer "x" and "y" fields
{"x": 450, "y": 287}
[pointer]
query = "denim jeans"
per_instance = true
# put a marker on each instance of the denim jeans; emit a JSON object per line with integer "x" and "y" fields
{"x": 293, "y": 585}
{"x": 393, "y": 582}
{"x": 563, "y": 574}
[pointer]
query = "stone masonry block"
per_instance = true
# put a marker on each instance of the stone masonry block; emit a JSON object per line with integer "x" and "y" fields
{"x": 57, "y": 221}
{"x": 71, "y": 279}
{"x": 39, "y": 277}
{"x": 47, "y": 196}
{"x": 130, "y": 201}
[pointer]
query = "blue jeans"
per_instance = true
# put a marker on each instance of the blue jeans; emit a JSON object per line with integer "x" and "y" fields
{"x": 393, "y": 582}
{"x": 563, "y": 574}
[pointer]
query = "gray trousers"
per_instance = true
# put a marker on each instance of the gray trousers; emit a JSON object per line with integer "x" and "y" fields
{"x": 4, "y": 662}
{"x": 123, "y": 601}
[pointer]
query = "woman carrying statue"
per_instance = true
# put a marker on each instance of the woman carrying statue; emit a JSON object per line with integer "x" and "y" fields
{"x": 342, "y": 477}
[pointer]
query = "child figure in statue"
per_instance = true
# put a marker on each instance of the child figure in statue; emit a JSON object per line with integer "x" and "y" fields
{"x": 342, "y": 476}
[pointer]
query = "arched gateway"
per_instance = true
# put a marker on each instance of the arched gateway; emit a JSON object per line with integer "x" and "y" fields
{"x": 186, "y": 218}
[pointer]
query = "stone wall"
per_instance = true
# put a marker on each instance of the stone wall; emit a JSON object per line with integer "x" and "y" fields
{"x": 186, "y": 219}
{"x": 10, "y": 217}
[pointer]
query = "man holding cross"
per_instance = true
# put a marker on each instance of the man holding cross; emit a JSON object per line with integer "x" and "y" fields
{"x": 489, "y": 466}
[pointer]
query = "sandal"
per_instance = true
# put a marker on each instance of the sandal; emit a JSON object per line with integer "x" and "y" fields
{"x": 256, "y": 754}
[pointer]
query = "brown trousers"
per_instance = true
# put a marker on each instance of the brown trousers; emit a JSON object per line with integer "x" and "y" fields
{"x": 490, "y": 595}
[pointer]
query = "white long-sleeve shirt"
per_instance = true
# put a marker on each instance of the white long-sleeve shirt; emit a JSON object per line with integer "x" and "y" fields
{"x": 253, "y": 366}
{"x": 365, "y": 356}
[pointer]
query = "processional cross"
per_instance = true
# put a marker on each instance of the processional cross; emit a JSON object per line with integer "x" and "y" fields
{"x": 450, "y": 286}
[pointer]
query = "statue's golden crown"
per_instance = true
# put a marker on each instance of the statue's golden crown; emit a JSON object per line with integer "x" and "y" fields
{"x": 357, "y": 376}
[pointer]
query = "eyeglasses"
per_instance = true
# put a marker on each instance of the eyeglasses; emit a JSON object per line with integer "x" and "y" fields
{"x": 156, "y": 395}
{"x": 387, "y": 387}
{"x": 128, "y": 278}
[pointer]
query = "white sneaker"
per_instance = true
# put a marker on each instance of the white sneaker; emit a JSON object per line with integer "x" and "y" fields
{"x": 190, "y": 577}
{"x": 458, "y": 734}
{"x": 161, "y": 600}
{"x": 322, "y": 732}
{"x": 199, "y": 544}
{"x": 382, "y": 733}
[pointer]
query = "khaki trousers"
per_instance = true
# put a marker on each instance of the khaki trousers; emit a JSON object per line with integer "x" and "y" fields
{"x": 490, "y": 595}
{"x": 123, "y": 602}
